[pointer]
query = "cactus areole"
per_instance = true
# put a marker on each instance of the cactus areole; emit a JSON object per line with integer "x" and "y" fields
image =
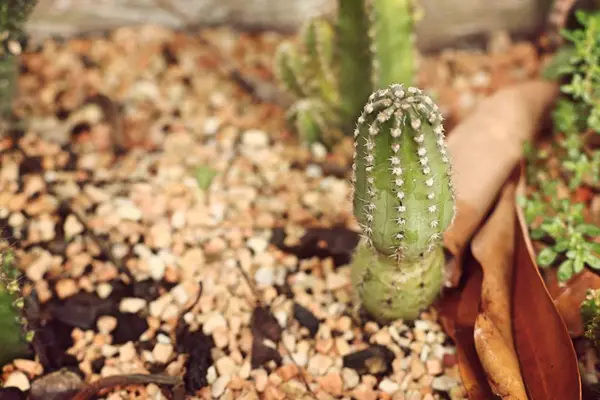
{"x": 403, "y": 200}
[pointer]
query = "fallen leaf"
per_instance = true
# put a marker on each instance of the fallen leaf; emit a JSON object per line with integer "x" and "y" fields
{"x": 569, "y": 296}
{"x": 493, "y": 248}
{"x": 484, "y": 148}
{"x": 458, "y": 309}
{"x": 545, "y": 350}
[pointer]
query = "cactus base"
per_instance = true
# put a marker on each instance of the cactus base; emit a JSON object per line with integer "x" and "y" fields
{"x": 12, "y": 342}
{"x": 390, "y": 289}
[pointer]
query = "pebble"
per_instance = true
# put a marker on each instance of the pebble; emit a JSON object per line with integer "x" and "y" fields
{"x": 219, "y": 385}
{"x": 19, "y": 380}
{"x": 255, "y": 138}
{"x": 264, "y": 276}
{"x": 226, "y": 366}
{"x": 66, "y": 288}
{"x": 162, "y": 352}
{"x": 132, "y": 305}
{"x": 216, "y": 320}
{"x": 388, "y": 386}
{"x": 72, "y": 226}
{"x": 319, "y": 364}
{"x": 443, "y": 383}
{"x": 106, "y": 324}
{"x": 332, "y": 383}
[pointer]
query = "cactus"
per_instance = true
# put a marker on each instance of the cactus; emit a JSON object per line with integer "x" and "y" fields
{"x": 14, "y": 337}
{"x": 13, "y": 14}
{"x": 403, "y": 200}
{"x": 332, "y": 73}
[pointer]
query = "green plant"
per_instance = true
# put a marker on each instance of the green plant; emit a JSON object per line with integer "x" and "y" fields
{"x": 332, "y": 72}
{"x": 590, "y": 314}
{"x": 403, "y": 200}
{"x": 557, "y": 222}
{"x": 14, "y": 337}
{"x": 13, "y": 14}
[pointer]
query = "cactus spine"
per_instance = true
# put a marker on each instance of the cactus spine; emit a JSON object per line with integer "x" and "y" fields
{"x": 333, "y": 73}
{"x": 403, "y": 200}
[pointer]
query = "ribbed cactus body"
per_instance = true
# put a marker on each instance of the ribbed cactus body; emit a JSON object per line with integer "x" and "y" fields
{"x": 403, "y": 196}
{"x": 371, "y": 47}
{"x": 390, "y": 35}
{"x": 13, "y": 335}
{"x": 391, "y": 289}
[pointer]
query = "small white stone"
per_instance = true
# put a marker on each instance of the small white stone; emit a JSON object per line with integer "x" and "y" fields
{"x": 388, "y": 386}
{"x": 264, "y": 276}
{"x": 443, "y": 383}
{"x": 255, "y": 138}
{"x": 216, "y": 320}
{"x": 219, "y": 386}
{"x": 19, "y": 380}
{"x": 132, "y": 305}
{"x": 226, "y": 366}
{"x": 72, "y": 226}
{"x": 257, "y": 244}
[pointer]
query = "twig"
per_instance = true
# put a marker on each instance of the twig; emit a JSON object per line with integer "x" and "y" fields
{"x": 557, "y": 19}
{"x": 90, "y": 390}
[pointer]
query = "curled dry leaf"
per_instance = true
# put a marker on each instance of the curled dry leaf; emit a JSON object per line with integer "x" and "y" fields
{"x": 485, "y": 147}
{"x": 545, "y": 350}
{"x": 493, "y": 248}
{"x": 458, "y": 310}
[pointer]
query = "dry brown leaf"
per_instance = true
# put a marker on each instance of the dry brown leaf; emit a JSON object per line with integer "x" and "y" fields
{"x": 493, "y": 248}
{"x": 458, "y": 310}
{"x": 485, "y": 147}
{"x": 568, "y": 297}
{"x": 546, "y": 354}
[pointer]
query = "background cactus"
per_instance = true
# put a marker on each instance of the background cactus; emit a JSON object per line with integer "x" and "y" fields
{"x": 13, "y": 14}
{"x": 403, "y": 200}
{"x": 332, "y": 73}
{"x": 14, "y": 337}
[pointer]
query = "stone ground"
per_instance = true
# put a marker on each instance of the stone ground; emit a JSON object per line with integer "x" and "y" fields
{"x": 215, "y": 246}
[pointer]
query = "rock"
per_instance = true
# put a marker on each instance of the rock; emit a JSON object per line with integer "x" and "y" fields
{"x": 162, "y": 352}
{"x": 306, "y": 319}
{"x": 444, "y": 22}
{"x": 219, "y": 386}
{"x": 19, "y": 380}
{"x": 388, "y": 386}
{"x": 55, "y": 385}
{"x": 132, "y": 305}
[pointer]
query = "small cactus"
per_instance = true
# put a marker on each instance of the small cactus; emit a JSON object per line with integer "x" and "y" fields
{"x": 13, "y": 336}
{"x": 13, "y": 14}
{"x": 333, "y": 71}
{"x": 403, "y": 200}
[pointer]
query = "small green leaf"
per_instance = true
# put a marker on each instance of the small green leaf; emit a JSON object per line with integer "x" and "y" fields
{"x": 588, "y": 229}
{"x": 546, "y": 257}
{"x": 592, "y": 261}
{"x": 565, "y": 270}
{"x": 205, "y": 176}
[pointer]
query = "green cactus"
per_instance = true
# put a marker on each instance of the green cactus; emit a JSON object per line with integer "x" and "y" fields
{"x": 14, "y": 338}
{"x": 13, "y": 14}
{"x": 333, "y": 71}
{"x": 403, "y": 200}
